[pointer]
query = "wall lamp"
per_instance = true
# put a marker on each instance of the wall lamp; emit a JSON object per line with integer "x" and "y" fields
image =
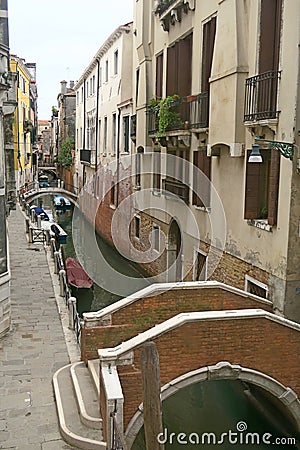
{"x": 285, "y": 148}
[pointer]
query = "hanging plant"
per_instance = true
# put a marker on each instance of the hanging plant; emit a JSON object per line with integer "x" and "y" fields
{"x": 167, "y": 116}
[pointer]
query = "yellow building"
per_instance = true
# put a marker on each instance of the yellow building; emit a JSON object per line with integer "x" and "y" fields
{"x": 24, "y": 121}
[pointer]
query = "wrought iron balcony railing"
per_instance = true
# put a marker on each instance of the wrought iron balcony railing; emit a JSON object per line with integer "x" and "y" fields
{"x": 261, "y": 96}
{"x": 192, "y": 113}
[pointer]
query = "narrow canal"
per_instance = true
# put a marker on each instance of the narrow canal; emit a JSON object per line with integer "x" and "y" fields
{"x": 213, "y": 407}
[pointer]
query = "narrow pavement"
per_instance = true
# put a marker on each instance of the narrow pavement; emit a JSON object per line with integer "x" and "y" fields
{"x": 33, "y": 350}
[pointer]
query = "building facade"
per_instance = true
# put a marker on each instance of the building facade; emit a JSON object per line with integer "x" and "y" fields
{"x": 103, "y": 114}
{"x": 213, "y": 78}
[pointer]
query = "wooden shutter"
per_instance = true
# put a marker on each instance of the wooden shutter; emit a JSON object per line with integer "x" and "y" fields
{"x": 159, "y": 75}
{"x": 273, "y": 186}
{"x": 184, "y": 66}
{"x": 252, "y": 201}
{"x": 203, "y": 163}
{"x": 172, "y": 70}
{"x": 209, "y": 32}
{"x": 270, "y": 23}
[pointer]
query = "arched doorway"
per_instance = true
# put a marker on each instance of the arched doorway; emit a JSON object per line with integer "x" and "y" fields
{"x": 174, "y": 249}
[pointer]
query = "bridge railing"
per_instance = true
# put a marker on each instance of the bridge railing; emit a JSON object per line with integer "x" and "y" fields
{"x": 118, "y": 439}
{"x": 36, "y": 186}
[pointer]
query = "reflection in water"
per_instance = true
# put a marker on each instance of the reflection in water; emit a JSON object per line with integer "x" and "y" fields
{"x": 217, "y": 407}
{"x": 97, "y": 298}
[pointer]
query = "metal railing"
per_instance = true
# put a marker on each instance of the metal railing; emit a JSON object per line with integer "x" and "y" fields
{"x": 261, "y": 96}
{"x": 164, "y": 5}
{"x": 190, "y": 112}
{"x": 199, "y": 105}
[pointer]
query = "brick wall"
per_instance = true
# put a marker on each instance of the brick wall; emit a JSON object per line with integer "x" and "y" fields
{"x": 258, "y": 344}
{"x": 146, "y": 312}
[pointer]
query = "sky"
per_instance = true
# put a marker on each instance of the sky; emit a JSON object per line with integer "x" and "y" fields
{"x": 61, "y": 37}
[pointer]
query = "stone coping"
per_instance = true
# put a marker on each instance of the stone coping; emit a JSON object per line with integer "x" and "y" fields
{"x": 114, "y": 353}
{"x": 157, "y": 288}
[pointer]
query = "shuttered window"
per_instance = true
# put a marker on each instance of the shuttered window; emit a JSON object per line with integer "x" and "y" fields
{"x": 179, "y": 67}
{"x": 159, "y": 75}
{"x": 201, "y": 187}
{"x": 262, "y": 183}
{"x": 209, "y": 32}
{"x": 270, "y": 24}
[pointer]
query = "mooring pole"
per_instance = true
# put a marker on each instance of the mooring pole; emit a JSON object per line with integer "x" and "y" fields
{"x": 151, "y": 396}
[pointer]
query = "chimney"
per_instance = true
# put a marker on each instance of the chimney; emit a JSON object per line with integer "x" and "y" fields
{"x": 63, "y": 88}
{"x": 72, "y": 84}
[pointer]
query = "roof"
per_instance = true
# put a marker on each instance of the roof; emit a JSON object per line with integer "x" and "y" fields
{"x": 103, "y": 49}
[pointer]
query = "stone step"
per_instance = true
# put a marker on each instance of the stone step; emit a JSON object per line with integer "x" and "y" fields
{"x": 93, "y": 366}
{"x": 86, "y": 396}
{"x": 71, "y": 427}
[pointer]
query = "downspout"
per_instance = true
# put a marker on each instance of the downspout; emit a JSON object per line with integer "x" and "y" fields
{"x": 97, "y": 120}
{"x": 18, "y": 125}
{"x": 118, "y": 157}
{"x": 84, "y": 121}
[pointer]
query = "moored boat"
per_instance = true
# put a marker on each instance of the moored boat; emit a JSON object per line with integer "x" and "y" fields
{"x": 61, "y": 202}
{"x": 76, "y": 275}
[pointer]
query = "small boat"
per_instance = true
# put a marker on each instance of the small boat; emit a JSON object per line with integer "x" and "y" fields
{"x": 40, "y": 212}
{"x": 55, "y": 230}
{"x": 61, "y": 202}
{"x": 76, "y": 275}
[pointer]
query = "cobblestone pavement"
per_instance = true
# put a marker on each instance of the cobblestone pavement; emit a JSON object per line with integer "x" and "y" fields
{"x": 33, "y": 350}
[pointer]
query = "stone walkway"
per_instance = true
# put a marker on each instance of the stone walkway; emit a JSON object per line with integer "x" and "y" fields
{"x": 33, "y": 350}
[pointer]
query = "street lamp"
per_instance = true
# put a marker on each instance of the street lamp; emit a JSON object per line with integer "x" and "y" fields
{"x": 285, "y": 148}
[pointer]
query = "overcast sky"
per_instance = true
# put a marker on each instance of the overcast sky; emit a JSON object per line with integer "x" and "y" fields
{"x": 61, "y": 37}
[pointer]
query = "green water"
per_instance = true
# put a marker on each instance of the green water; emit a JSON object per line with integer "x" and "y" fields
{"x": 217, "y": 407}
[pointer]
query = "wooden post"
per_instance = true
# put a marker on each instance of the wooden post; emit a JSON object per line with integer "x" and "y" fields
{"x": 151, "y": 396}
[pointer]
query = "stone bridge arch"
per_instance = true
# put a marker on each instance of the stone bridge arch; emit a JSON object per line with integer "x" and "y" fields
{"x": 222, "y": 371}
{"x": 34, "y": 194}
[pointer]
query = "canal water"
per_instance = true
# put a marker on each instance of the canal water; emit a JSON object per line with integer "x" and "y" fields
{"x": 96, "y": 298}
{"x": 214, "y": 407}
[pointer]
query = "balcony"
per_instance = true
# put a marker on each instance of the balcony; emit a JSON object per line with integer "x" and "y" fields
{"x": 170, "y": 11}
{"x": 261, "y": 97}
{"x": 176, "y": 188}
{"x": 133, "y": 127}
{"x": 190, "y": 113}
{"x": 87, "y": 156}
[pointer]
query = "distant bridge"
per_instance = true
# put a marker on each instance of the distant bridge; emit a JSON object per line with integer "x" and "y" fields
{"x": 33, "y": 191}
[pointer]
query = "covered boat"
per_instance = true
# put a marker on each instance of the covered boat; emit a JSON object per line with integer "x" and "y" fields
{"x": 76, "y": 275}
{"x": 61, "y": 202}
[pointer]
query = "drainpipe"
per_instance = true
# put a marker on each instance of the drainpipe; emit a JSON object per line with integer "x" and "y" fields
{"x": 97, "y": 120}
{"x": 84, "y": 122}
{"x": 118, "y": 157}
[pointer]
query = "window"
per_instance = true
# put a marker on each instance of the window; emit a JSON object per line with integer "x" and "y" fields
{"x": 81, "y": 94}
{"x": 105, "y": 135}
{"x": 200, "y": 266}
{"x": 209, "y": 32}
{"x": 155, "y": 237}
{"x": 137, "y": 85}
{"x": 100, "y": 77}
{"x": 137, "y": 227}
{"x": 77, "y": 98}
{"x": 106, "y": 70}
{"x": 156, "y": 180}
{"x": 201, "y": 186}
{"x": 93, "y": 82}
{"x": 91, "y": 86}
{"x": 159, "y": 75}
{"x": 262, "y": 184}
{"x": 116, "y": 62}
{"x": 87, "y": 88}
{"x": 180, "y": 55}
{"x": 126, "y": 121}
{"x": 256, "y": 287}
{"x": 138, "y": 166}
{"x": 113, "y": 194}
{"x": 114, "y": 133}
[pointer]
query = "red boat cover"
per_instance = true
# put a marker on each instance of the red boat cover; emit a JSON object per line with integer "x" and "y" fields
{"x": 76, "y": 275}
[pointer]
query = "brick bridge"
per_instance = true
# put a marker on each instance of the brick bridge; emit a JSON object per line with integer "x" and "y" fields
{"x": 219, "y": 332}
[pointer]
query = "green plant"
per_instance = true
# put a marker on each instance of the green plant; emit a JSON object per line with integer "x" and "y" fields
{"x": 65, "y": 157}
{"x": 167, "y": 116}
{"x": 264, "y": 212}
